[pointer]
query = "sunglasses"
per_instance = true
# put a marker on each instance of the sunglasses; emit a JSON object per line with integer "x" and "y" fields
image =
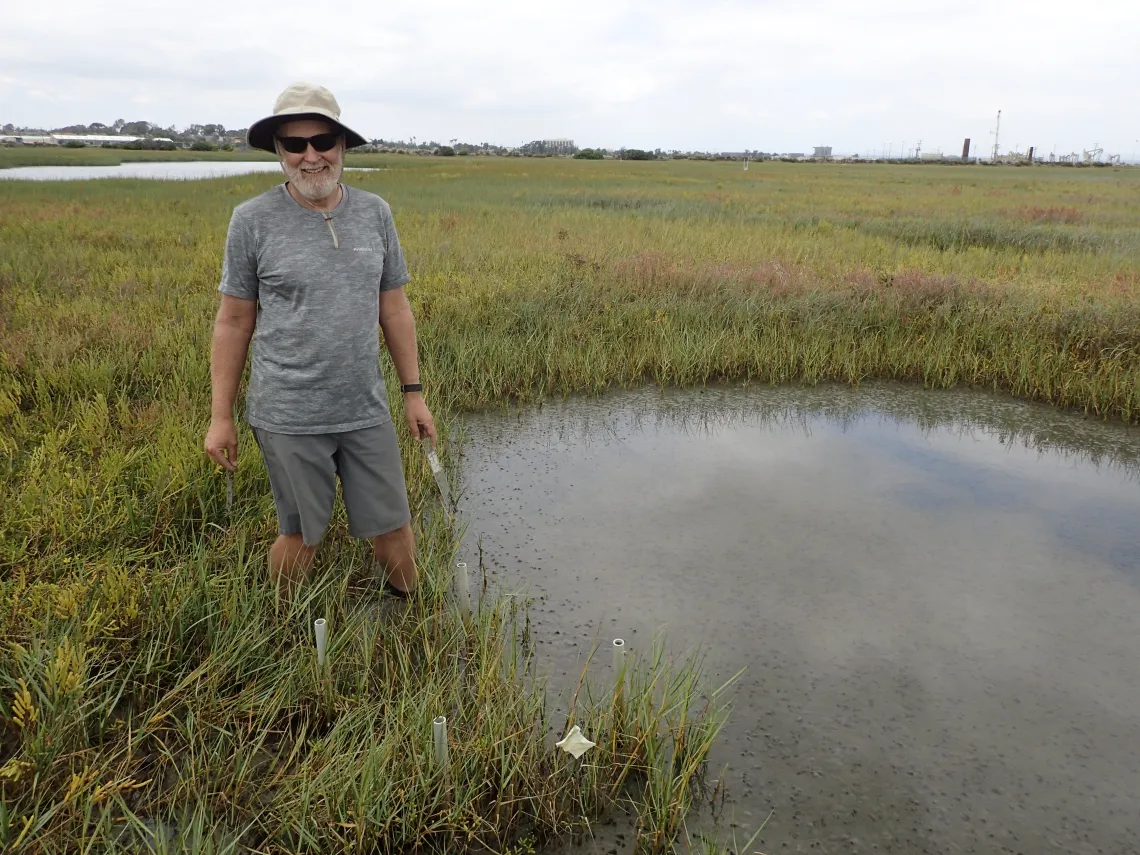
{"x": 320, "y": 142}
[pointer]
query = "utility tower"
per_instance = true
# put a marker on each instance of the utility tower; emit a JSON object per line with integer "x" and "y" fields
{"x": 997, "y": 130}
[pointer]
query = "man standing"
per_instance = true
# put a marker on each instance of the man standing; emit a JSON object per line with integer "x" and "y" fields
{"x": 314, "y": 265}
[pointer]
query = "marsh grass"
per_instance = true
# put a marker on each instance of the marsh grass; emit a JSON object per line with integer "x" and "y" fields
{"x": 152, "y": 695}
{"x": 203, "y": 723}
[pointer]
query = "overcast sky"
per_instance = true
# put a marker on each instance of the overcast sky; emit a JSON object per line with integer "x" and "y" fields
{"x": 772, "y": 75}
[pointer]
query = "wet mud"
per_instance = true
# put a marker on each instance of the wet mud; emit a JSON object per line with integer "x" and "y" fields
{"x": 935, "y": 595}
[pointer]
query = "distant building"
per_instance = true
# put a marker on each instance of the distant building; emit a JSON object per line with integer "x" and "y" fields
{"x": 558, "y": 146}
{"x": 28, "y": 139}
{"x": 555, "y": 147}
{"x": 100, "y": 139}
{"x": 822, "y": 151}
{"x": 794, "y": 155}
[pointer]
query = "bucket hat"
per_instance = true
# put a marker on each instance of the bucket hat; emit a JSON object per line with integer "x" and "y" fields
{"x": 300, "y": 101}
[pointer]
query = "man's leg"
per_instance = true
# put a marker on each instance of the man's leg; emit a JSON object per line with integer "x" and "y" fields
{"x": 376, "y": 498}
{"x": 290, "y": 562}
{"x": 302, "y": 476}
{"x": 395, "y": 556}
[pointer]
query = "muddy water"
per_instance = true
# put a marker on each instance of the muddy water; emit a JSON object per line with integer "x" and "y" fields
{"x": 936, "y": 596}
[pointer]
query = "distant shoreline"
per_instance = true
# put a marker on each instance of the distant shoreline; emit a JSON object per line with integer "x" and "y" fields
{"x": 13, "y": 156}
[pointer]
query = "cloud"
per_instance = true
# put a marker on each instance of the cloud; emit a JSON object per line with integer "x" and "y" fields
{"x": 723, "y": 74}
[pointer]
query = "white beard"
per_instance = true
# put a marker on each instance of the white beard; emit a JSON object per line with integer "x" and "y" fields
{"x": 314, "y": 186}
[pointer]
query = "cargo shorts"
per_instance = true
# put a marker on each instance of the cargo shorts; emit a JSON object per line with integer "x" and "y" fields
{"x": 303, "y": 469}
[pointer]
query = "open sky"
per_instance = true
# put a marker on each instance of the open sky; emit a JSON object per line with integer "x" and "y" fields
{"x": 709, "y": 75}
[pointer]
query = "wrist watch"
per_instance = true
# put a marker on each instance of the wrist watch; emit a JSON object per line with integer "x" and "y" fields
{"x": 412, "y": 387}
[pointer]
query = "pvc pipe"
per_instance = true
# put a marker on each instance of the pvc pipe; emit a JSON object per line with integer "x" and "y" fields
{"x": 439, "y": 735}
{"x": 462, "y": 594}
{"x": 619, "y": 654}
{"x": 321, "y": 630}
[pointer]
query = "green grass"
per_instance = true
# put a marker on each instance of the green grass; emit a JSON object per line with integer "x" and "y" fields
{"x": 146, "y": 679}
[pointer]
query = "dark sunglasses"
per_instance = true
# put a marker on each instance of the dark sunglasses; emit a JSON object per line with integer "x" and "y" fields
{"x": 320, "y": 142}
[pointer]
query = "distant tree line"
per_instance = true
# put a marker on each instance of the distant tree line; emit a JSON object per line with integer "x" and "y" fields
{"x": 208, "y": 137}
{"x": 215, "y": 134}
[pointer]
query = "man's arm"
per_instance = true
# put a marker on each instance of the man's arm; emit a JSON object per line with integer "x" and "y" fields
{"x": 233, "y": 329}
{"x": 399, "y": 328}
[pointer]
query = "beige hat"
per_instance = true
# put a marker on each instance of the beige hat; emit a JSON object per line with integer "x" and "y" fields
{"x": 299, "y": 101}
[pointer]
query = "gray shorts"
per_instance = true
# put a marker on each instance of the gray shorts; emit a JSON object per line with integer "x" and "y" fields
{"x": 303, "y": 469}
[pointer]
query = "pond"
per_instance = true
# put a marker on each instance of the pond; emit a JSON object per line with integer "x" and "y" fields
{"x": 936, "y": 596}
{"x": 161, "y": 170}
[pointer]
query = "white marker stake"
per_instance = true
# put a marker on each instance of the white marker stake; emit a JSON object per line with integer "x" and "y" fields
{"x": 321, "y": 630}
{"x": 462, "y": 595}
{"x": 439, "y": 734}
{"x": 619, "y": 663}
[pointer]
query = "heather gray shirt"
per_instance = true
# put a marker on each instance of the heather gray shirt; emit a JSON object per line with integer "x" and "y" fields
{"x": 315, "y": 360}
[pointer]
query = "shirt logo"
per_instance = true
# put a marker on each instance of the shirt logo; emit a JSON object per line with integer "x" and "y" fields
{"x": 362, "y": 249}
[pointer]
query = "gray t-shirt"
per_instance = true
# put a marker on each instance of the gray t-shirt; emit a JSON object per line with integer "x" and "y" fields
{"x": 315, "y": 361}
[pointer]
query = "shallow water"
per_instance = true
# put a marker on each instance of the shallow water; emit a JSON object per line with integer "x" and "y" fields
{"x": 936, "y": 596}
{"x": 159, "y": 170}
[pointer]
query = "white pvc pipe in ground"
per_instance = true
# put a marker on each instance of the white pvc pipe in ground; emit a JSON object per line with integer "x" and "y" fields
{"x": 321, "y": 631}
{"x": 439, "y": 735}
{"x": 619, "y": 664}
{"x": 619, "y": 654}
{"x": 462, "y": 595}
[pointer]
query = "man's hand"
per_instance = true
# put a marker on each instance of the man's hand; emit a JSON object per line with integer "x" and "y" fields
{"x": 221, "y": 442}
{"x": 420, "y": 422}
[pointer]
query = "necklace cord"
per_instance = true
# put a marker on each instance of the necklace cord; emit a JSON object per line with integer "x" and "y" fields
{"x": 328, "y": 215}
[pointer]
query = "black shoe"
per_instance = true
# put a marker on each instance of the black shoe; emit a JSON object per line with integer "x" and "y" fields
{"x": 389, "y": 588}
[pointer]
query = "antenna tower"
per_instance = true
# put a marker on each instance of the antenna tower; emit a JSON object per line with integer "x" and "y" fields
{"x": 997, "y": 129}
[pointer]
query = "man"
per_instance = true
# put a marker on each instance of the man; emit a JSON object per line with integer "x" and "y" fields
{"x": 314, "y": 265}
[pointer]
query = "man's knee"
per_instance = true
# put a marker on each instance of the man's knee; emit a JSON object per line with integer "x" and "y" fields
{"x": 292, "y": 548}
{"x": 295, "y": 541}
{"x": 395, "y": 536}
{"x": 397, "y": 541}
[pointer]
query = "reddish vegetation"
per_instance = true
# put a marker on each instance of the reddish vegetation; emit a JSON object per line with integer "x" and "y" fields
{"x": 655, "y": 272}
{"x": 1052, "y": 214}
{"x": 911, "y": 284}
{"x": 1126, "y": 283}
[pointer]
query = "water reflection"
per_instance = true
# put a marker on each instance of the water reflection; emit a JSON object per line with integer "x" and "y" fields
{"x": 936, "y": 596}
{"x": 963, "y": 414}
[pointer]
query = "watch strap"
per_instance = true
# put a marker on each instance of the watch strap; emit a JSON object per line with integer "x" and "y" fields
{"x": 412, "y": 387}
